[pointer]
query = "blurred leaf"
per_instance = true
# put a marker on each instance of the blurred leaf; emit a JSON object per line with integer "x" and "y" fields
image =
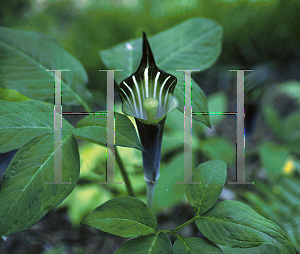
{"x": 167, "y": 192}
{"x": 24, "y": 120}
{"x": 235, "y": 224}
{"x": 291, "y": 88}
{"x": 280, "y": 203}
{"x": 218, "y": 148}
{"x": 94, "y": 128}
{"x": 217, "y": 103}
{"x": 124, "y": 216}
{"x": 291, "y": 129}
{"x": 194, "y": 245}
{"x": 273, "y": 158}
{"x": 83, "y": 200}
{"x": 193, "y": 44}
{"x": 92, "y": 162}
{"x": 211, "y": 176}
{"x": 25, "y": 198}
{"x": 150, "y": 244}
{"x": 273, "y": 120}
{"x": 25, "y": 57}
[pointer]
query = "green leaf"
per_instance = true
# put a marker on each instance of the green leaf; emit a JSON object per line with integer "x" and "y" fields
{"x": 291, "y": 130}
{"x": 93, "y": 128}
{"x": 262, "y": 249}
{"x": 273, "y": 120}
{"x": 22, "y": 121}
{"x": 291, "y": 88}
{"x": 11, "y": 95}
{"x": 217, "y": 102}
{"x": 273, "y": 158}
{"x": 235, "y": 224}
{"x": 211, "y": 176}
{"x": 123, "y": 216}
{"x": 193, "y": 44}
{"x": 24, "y": 197}
{"x": 25, "y": 57}
{"x": 219, "y": 148}
{"x": 194, "y": 245}
{"x": 167, "y": 192}
{"x": 150, "y": 244}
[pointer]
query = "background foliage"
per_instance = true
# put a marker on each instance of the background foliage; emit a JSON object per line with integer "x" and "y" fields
{"x": 260, "y": 35}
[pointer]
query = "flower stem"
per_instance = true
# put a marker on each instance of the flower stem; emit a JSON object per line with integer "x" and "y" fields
{"x": 150, "y": 193}
{"x": 124, "y": 173}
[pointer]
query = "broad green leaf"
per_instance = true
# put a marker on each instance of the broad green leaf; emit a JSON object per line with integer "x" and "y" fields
{"x": 211, "y": 176}
{"x": 22, "y": 121}
{"x": 25, "y": 57}
{"x": 193, "y": 44}
{"x": 262, "y": 249}
{"x": 150, "y": 244}
{"x": 235, "y": 224}
{"x": 124, "y": 216}
{"x": 11, "y": 95}
{"x": 274, "y": 159}
{"x": 24, "y": 197}
{"x": 93, "y": 128}
{"x": 194, "y": 245}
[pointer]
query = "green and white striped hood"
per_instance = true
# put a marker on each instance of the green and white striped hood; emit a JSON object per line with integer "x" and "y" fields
{"x": 148, "y": 82}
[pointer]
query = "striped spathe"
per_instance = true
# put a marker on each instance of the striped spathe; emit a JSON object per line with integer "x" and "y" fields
{"x": 148, "y": 82}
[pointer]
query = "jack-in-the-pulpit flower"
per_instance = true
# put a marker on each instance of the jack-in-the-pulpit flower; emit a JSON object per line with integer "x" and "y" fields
{"x": 148, "y": 96}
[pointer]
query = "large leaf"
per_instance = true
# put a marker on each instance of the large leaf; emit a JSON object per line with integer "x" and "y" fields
{"x": 211, "y": 176}
{"x": 151, "y": 244}
{"x": 194, "y": 245}
{"x": 22, "y": 121}
{"x": 262, "y": 249}
{"x": 11, "y": 95}
{"x": 94, "y": 128}
{"x": 25, "y": 198}
{"x": 24, "y": 58}
{"x": 193, "y": 44}
{"x": 235, "y": 224}
{"x": 124, "y": 216}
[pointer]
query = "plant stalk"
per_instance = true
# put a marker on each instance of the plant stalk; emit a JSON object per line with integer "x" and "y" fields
{"x": 173, "y": 231}
{"x": 150, "y": 193}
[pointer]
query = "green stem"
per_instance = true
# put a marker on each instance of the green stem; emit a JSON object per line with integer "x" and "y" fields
{"x": 124, "y": 173}
{"x": 86, "y": 107}
{"x": 150, "y": 194}
{"x": 173, "y": 231}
